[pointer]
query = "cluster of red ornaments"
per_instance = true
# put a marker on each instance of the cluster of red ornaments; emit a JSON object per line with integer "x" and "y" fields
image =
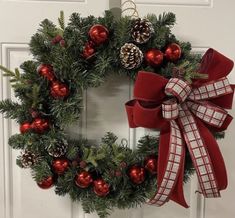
{"x": 137, "y": 174}
{"x": 59, "y": 166}
{"x": 98, "y": 35}
{"x": 101, "y": 188}
{"x": 154, "y": 57}
{"x": 58, "y": 40}
{"x": 57, "y": 89}
{"x": 83, "y": 179}
{"x": 39, "y": 125}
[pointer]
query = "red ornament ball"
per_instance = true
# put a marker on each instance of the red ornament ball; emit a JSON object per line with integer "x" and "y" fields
{"x": 60, "y": 165}
{"x": 25, "y": 127}
{"x": 118, "y": 173}
{"x": 151, "y": 164}
{"x": 88, "y": 50}
{"x": 56, "y": 39}
{"x": 173, "y": 52}
{"x": 40, "y": 125}
{"x": 154, "y": 57}
{"x": 137, "y": 174}
{"x": 62, "y": 43}
{"x": 83, "y": 164}
{"x": 59, "y": 90}
{"x": 83, "y": 179}
{"x": 98, "y": 34}
{"x": 46, "y": 71}
{"x": 101, "y": 188}
{"x": 46, "y": 183}
{"x": 123, "y": 165}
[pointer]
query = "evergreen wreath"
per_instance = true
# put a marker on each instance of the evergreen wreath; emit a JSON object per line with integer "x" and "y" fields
{"x": 68, "y": 60}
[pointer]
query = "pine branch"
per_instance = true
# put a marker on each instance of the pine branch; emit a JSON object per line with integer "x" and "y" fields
{"x": 61, "y": 20}
{"x": 109, "y": 138}
{"x": 41, "y": 170}
{"x": 15, "y": 76}
{"x": 11, "y": 109}
{"x": 48, "y": 29}
{"x": 18, "y": 141}
{"x": 166, "y": 19}
{"x": 35, "y": 95}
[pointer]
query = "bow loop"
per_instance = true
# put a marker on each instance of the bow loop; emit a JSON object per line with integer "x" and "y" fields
{"x": 170, "y": 110}
{"x": 149, "y": 87}
{"x": 208, "y": 112}
{"x": 178, "y": 88}
{"x": 216, "y": 65}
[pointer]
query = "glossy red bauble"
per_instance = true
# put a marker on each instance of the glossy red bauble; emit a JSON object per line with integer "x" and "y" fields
{"x": 59, "y": 90}
{"x": 40, "y": 125}
{"x": 83, "y": 179}
{"x": 88, "y": 50}
{"x": 46, "y": 71}
{"x": 60, "y": 165}
{"x": 46, "y": 183}
{"x": 173, "y": 52}
{"x": 137, "y": 174}
{"x": 57, "y": 39}
{"x": 150, "y": 164}
{"x": 101, "y": 188}
{"x": 25, "y": 127}
{"x": 98, "y": 34}
{"x": 154, "y": 57}
{"x": 62, "y": 43}
{"x": 83, "y": 164}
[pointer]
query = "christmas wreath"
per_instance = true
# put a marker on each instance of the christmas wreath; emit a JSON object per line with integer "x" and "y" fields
{"x": 183, "y": 97}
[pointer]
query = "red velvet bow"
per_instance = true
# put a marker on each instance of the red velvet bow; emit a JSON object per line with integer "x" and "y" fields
{"x": 186, "y": 120}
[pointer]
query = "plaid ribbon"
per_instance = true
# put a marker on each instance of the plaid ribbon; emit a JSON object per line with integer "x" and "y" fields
{"x": 174, "y": 162}
{"x": 207, "y": 112}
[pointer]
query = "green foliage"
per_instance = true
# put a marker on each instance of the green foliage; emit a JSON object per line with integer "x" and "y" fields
{"x": 10, "y": 109}
{"x": 61, "y": 20}
{"x": 41, "y": 170}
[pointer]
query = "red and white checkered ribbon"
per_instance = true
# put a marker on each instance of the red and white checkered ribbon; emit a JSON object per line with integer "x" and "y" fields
{"x": 170, "y": 110}
{"x": 189, "y": 102}
{"x": 209, "y": 113}
{"x": 178, "y": 88}
{"x": 212, "y": 89}
{"x": 198, "y": 152}
{"x": 174, "y": 161}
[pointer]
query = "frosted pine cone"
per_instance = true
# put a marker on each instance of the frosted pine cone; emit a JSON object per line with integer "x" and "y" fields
{"x": 131, "y": 56}
{"x": 142, "y": 30}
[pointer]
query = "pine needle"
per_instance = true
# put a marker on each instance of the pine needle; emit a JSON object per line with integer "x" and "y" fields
{"x": 61, "y": 20}
{"x": 15, "y": 76}
{"x": 7, "y": 72}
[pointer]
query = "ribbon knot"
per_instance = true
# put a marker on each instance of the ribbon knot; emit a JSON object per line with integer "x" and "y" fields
{"x": 180, "y": 90}
{"x": 186, "y": 119}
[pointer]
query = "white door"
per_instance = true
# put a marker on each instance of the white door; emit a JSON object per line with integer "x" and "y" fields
{"x": 206, "y": 23}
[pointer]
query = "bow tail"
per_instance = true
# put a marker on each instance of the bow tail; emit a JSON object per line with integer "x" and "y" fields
{"x": 199, "y": 153}
{"x": 170, "y": 166}
{"x": 215, "y": 155}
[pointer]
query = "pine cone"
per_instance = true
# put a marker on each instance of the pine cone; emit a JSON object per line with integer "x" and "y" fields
{"x": 142, "y": 30}
{"x": 57, "y": 149}
{"x": 131, "y": 56}
{"x": 28, "y": 159}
